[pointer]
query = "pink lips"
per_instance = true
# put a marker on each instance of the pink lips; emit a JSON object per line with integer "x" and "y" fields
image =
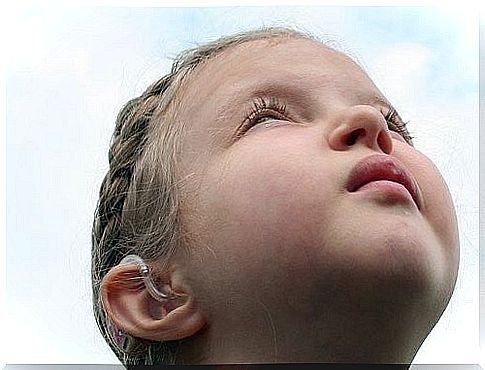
{"x": 382, "y": 167}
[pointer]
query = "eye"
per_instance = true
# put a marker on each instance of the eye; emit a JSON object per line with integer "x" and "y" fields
{"x": 263, "y": 117}
{"x": 397, "y": 126}
{"x": 264, "y": 111}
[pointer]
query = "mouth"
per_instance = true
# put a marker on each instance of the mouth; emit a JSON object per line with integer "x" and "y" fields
{"x": 379, "y": 167}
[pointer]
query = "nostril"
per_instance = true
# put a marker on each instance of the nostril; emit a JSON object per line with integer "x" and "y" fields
{"x": 354, "y": 135}
{"x": 384, "y": 142}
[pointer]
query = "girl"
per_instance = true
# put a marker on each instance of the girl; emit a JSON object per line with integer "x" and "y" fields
{"x": 273, "y": 208}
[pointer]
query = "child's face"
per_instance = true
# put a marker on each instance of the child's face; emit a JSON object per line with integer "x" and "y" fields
{"x": 277, "y": 224}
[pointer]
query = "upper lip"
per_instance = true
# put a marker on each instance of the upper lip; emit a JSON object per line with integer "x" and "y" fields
{"x": 382, "y": 167}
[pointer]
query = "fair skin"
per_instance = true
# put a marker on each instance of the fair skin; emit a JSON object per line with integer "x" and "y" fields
{"x": 287, "y": 265}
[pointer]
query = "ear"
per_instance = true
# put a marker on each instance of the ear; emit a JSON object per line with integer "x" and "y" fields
{"x": 132, "y": 309}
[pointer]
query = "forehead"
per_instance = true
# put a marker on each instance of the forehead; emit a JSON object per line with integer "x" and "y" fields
{"x": 259, "y": 64}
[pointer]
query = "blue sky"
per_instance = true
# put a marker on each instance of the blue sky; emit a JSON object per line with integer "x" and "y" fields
{"x": 69, "y": 71}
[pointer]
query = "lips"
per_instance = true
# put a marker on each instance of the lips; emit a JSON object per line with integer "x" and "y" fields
{"x": 382, "y": 167}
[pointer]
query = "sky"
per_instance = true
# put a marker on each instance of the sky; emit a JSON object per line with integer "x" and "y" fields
{"x": 70, "y": 70}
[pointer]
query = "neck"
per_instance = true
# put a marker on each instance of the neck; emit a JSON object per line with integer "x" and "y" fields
{"x": 265, "y": 334}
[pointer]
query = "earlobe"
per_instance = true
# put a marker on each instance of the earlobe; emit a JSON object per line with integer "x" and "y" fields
{"x": 131, "y": 308}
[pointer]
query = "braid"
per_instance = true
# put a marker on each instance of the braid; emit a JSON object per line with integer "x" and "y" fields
{"x": 109, "y": 243}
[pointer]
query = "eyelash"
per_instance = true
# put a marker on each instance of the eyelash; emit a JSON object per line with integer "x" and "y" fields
{"x": 395, "y": 124}
{"x": 274, "y": 108}
{"x": 264, "y": 108}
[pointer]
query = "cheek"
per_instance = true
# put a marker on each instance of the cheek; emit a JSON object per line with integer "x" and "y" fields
{"x": 438, "y": 207}
{"x": 263, "y": 213}
{"x": 276, "y": 194}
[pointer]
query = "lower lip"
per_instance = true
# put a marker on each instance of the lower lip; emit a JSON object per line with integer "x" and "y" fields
{"x": 392, "y": 189}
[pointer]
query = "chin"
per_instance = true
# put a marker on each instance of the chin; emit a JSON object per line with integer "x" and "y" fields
{"x": 395, "y": 258}
{"x": 412, "y": 261}
{"x": 409, "y": 280}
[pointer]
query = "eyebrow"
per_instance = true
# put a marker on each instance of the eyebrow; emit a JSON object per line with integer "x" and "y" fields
{"x": 379, "y": 100}
{"x": 289, "y": 91}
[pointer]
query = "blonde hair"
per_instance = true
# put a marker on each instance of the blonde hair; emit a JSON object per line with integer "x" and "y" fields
{"x": 138, "y": 206}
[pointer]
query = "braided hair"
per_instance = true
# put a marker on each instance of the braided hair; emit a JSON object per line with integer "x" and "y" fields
{"x": 138, "y": 206}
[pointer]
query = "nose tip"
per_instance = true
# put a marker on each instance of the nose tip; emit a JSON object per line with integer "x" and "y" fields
{"x": 361, "y": 124}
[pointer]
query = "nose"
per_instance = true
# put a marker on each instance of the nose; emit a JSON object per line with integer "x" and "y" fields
{"x": 361, "y": 124}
